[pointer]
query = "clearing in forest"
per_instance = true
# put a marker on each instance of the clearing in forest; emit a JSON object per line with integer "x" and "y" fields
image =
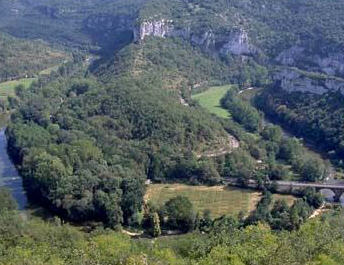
{"x": 7, "y": 88}
{"x": 210, "y": 100}
{"x": 220, "y": 200}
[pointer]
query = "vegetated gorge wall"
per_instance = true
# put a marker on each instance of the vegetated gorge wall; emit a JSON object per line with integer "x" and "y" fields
{"x": 238, "y": 42}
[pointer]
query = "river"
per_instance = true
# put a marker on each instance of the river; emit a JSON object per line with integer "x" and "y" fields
{"x": 9, "y": 176}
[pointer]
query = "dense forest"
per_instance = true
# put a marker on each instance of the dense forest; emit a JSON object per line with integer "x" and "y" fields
{"x": 111, "y": 137}
{"x": 317, "y": 118}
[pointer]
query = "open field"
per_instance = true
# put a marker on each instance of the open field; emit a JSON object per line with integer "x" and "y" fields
{"x": 49, "y": 70}
{"x": 210, "y": 100}
{"x": 7, "y": 88}
{"x": 220, "y": 200}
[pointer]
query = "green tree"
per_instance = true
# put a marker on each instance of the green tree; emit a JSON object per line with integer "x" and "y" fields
{"x": 156, "y": 230}
{"x": 272, "y": 133}
{"x": 180, "y": 214}
{"x": 313, "y": 170}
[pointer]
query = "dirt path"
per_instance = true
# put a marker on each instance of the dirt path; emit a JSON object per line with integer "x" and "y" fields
{"x": 319, "y": 211}
{"x": 132, "y": 233}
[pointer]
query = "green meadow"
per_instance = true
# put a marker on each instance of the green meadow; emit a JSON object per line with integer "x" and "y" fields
{"x": 220, "y": 200}
{"x": 8, "y": 88}
{"x": 210, "y": 100}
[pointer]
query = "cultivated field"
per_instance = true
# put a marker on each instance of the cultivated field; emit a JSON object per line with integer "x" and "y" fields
{"x": 210, "y": 100}
{"x": 220, "y": 200}
{"x": 7, "y": 88}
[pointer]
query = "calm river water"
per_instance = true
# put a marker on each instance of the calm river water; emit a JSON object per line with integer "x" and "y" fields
{"x": 9, "y": 176}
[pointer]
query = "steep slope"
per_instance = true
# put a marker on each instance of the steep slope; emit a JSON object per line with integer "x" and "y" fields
{"x": 308, "y": 34}
{"x": 249, "y": 28}
{"x": 80, "y": 24}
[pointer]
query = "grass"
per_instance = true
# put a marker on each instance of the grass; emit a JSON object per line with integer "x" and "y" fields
{"x": 210, "y": 100}
{"x": 220, "y": 200}
{"x": 7, "y": 88}
{"x": 49, "y": 70}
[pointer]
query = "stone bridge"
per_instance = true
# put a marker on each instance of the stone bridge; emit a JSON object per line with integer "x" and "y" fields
{"x": 337, "y": 189}
{"x": 294, "y": 187}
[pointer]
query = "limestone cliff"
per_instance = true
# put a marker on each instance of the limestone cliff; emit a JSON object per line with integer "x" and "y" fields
{"x": 299, "y": 56}
{"x": 234, "y": 42}
{"x": 295, "y": 80}
{"x": 155, "y": 28}
{"x": 238, "y": 43}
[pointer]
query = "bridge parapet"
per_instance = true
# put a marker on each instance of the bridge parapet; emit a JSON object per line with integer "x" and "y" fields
{"x": 293, "y": 187}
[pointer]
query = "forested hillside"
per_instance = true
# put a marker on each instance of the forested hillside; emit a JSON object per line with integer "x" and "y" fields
{"x": 112, "y": 136}
{"x": 130, "y": 116}
{"x": 81, "y": 24}
{"x": 257, "y": 28}
{"x": 20, "y": 58}
{"x": 317, "y": 118}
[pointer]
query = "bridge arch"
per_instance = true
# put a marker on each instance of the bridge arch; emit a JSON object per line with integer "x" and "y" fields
{"x": 328, "y": 194}
{"x": 332, "y": 195}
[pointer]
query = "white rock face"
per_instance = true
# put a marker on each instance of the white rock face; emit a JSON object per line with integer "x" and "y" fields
{"x": 238, "y": 43}
{"x": 292, "y": 80}
{"x": 332, "y": 64}
{"x": 157, "y": 28}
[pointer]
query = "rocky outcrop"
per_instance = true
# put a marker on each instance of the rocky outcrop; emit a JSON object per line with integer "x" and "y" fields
{"x": 238, "y": 43}
{"x": 298, "y": 56}
{"x": 156, "y": 28}
{"x": 294, "y": 80}
{"x": 235, "y": 42}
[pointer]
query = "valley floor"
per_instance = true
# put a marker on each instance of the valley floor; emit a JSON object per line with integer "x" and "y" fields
{"x": 220, "y": 200}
